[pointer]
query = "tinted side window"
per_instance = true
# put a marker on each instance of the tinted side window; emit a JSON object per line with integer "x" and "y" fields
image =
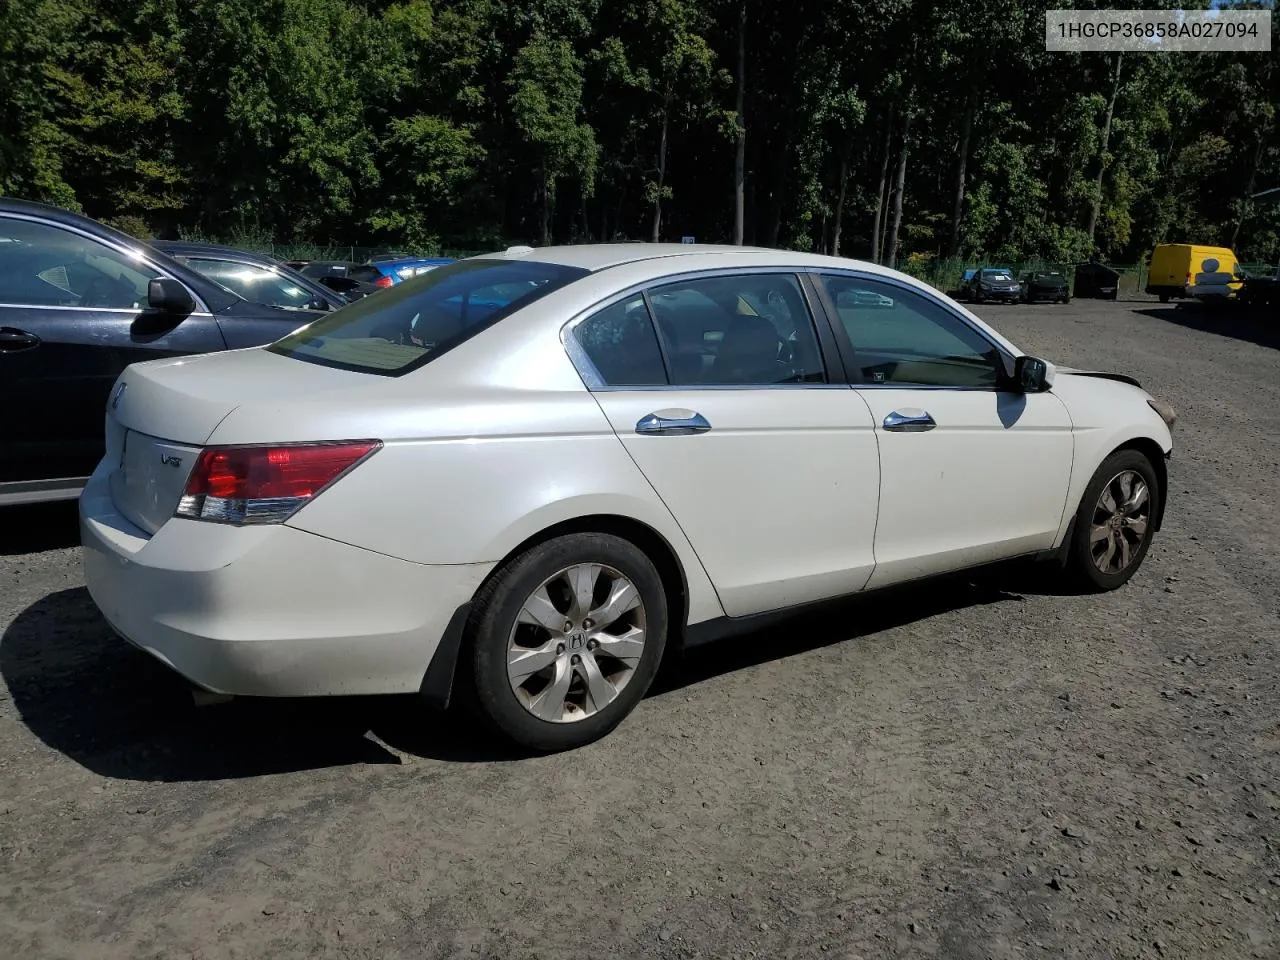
{"x": 43, "y": 265}
{"x": 904, "y": 337}
{"x": 621, "y": 344}
{"x": 736, "y": 330}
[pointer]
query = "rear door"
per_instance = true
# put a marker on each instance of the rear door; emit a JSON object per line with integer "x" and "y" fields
{"x": 725, "y": 403}
{"x": 71, "y": 319}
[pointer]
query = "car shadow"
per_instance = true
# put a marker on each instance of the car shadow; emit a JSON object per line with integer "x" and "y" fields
{"x": 39, "y": 527}
{"x": 1239, "y": 323}
{"x": 120, "y": 713}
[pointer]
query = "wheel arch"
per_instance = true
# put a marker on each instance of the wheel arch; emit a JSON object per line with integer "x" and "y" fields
{"x": 656, "y": 547}
{"x": 438, "y": 680}
{"x": 1150, "y": 449}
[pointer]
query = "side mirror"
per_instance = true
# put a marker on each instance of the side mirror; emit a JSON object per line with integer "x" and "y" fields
{"x": 168, "y": 296}
{"x": 1032, "y": 375}
{"x": 317, "y": 303}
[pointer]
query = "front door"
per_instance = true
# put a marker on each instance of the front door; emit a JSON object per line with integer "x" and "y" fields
{"x": 972, "y": 472}
{"x": 771, "y": 471}
{"x": 71, "y": 320}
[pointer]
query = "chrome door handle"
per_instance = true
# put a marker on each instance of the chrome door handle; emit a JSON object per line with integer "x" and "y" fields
{"x": 655, "y": 424}
{"x": 909, "y": 421}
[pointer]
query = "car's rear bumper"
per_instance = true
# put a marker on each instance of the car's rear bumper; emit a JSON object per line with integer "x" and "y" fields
{"x": 268, "y": 610}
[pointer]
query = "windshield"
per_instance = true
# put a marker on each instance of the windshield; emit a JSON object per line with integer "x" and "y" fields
{"x": 996, "y": 275}
{"x": 403, "y": 327}
{"x": 258, "y": 284}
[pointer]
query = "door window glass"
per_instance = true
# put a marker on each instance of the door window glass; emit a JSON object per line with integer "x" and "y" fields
{"x": 737, "y": 330}
{"x": 47, "y": 266}
{"x": 904, "y": 337}
{"x": 621, "y": 343}
{"x": 254, "y": 283}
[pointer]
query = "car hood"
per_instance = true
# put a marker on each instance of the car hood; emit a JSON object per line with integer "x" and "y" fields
{"x": 1122, "y": 378}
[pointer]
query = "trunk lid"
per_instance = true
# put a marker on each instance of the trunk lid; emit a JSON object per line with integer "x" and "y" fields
{"x": 161, "y": 413}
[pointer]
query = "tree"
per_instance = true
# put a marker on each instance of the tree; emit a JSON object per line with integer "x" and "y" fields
{"x": 546, "y": 103}
{"x": 740, "y": 130}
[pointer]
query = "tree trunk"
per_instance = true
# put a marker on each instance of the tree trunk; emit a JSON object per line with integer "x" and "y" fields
{"x": 957, "y": 209}
{"x": 777, "y": 194}
{"x": 740, "y": 154}
{"x": 662, "y": 168}
{"x": 546, "y": 211}
{"x": 884, "y": 182}
{"x": 840, "y": 198}
{"x": 1248, "y": 192}
{"x": 1102, "y": 154}
{"x": 900, "y": 179}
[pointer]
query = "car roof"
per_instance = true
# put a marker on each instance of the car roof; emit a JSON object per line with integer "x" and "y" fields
{"x": 594, "y": 257}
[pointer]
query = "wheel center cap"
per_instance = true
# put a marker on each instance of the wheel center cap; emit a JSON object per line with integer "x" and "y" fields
{"x": 577, "y": 641}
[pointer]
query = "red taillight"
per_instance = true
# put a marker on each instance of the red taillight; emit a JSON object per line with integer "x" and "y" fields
{"x": 265, "y": 484}
{"x": 383, "y": 281}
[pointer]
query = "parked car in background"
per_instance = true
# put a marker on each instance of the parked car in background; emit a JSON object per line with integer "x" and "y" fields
{"x": 1095, "y": 281}
{"x": 1176, "y": 268}
{"x": 255, "y": 277}
{"x": 79, "y": 302}
{"x": 864, "y": 298}
{"x": 1045, "y": 286}
{"x": 991, "y": 283}
{"x": 336, "y": 513}
{"x": 1263, "y": 294}
{"x": 394, "y": 269}
{"x": 352, "y": 280}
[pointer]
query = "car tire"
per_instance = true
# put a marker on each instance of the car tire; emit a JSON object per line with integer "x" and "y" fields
{"x": 1066, "y": 299}
{"x": 497, "y": 636}
{"x": 1094, "y": 564}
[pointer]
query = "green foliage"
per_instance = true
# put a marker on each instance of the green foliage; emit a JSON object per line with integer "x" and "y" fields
{"x": 476, "y": 123}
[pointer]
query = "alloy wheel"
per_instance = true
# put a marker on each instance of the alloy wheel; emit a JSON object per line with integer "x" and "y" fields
{"x": 1120, "y": 520}
{"x": 576, "y": 643}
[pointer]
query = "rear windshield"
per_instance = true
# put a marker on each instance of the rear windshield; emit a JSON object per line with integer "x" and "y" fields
{"x": 403, "y": 327}
{"x": 364, "y": 273}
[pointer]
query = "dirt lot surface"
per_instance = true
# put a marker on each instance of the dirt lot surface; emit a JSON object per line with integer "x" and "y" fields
{"x": 964, "y": 770}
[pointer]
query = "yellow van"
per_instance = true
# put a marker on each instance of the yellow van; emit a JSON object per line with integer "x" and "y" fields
{"x": 1186, "y": 269}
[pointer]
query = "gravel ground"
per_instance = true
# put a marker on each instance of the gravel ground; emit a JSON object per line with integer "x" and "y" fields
{"x": 963, "y": 770}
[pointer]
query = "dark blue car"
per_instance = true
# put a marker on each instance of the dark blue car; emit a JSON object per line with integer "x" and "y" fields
{"x": 79, "y": 302}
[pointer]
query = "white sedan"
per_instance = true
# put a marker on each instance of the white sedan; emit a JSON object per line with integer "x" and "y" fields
{"x": 527, "y": 476}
